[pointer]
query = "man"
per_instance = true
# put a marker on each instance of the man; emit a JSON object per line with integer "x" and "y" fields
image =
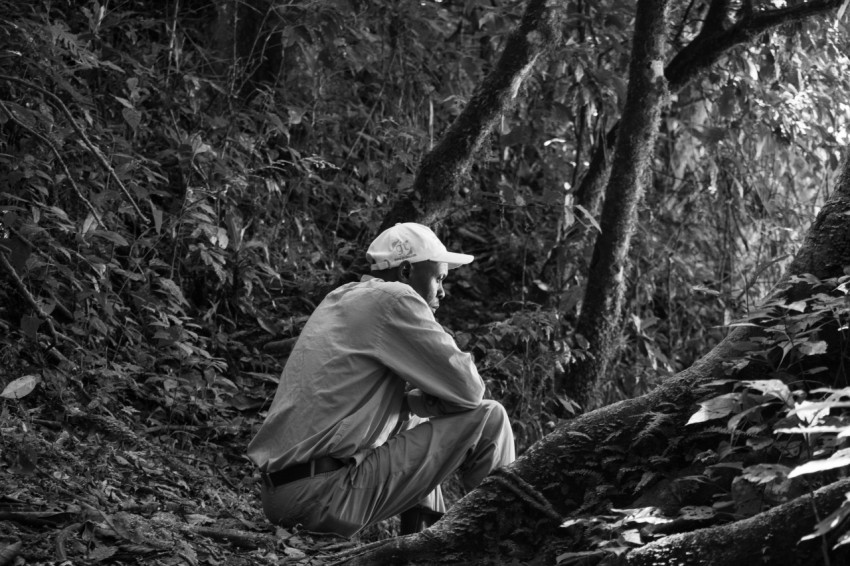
{"x": 339, "y": 450}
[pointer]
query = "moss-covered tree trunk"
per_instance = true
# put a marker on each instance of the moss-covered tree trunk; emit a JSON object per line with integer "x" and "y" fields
{"x": 599, "y": 321}
{"x": 600, "y": 458}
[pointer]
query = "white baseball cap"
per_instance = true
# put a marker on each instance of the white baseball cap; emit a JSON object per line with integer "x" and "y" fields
{"x": 411, "y": 242}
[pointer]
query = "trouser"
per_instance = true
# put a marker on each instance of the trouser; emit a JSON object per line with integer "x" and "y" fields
{"x": 404, "y": 472}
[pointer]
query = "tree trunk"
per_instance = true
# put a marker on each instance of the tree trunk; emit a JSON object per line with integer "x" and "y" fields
{"x": 441, "y": 170}
{"x": 599, "y": 321}
{"x": 584, "y": 464}
{"x": 600, "y": 313}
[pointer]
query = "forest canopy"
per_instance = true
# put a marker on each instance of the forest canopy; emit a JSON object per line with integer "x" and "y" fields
{"x": 183, "y": 181}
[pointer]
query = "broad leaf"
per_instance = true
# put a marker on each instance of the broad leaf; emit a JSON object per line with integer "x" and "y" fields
{"x": 717, "y": 407}
{"x": 765, "y": 473}
{"x": 773, "y": 387}
{"x": 837, "y": 460}
{"x": 20, "y": 387}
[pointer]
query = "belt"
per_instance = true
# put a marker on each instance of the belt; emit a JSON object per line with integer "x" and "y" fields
{"x": 301, "y": 471}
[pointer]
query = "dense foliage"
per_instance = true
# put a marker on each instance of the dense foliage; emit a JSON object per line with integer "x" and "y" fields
{"x": 182, "y": 182}
{"x": 158, "y": 194}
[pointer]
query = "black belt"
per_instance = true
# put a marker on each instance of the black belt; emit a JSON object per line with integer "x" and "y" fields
{"x": 300, "y": 471}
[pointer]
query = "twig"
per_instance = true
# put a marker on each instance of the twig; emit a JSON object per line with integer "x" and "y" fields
{"x": 238, "y": 538}
{"x": 24, "y": 292}
{"x": 55, "y": 150}
{"x": 93, "y": 148}
{"x": 338, "y": 546}
{"x": 61, "y": 554}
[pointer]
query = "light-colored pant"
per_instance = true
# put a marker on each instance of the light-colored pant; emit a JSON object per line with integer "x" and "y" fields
{"x": 405, "y": 471}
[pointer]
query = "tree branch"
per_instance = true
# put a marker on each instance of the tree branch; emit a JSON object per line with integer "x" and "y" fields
{"x": 442, "y": 168}
{"x": 58, "y": 155}
{"x": 704, "y": 50}
{"x": 713, "y": 41}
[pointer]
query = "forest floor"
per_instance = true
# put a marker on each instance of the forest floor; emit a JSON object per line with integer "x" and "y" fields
{"x": 95, "y": 487}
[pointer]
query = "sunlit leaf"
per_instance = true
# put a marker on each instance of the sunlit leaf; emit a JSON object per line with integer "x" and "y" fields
{"x": 798, "y": 306}
{"x": 717, "y": 407}
{"x": 765, "y": 473}
{"x": 840, "y": 430}
{"x": 837, "y": 460}
{"x": 830, "y": 521}
{"x": 20, "y": 387}
{"x": 811, "y": 412}
{"x": 812, "y": 348}
{"x": 773, "y": 387}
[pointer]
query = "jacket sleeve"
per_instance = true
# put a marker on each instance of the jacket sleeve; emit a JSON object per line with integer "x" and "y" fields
{"x": 417, "y": 349}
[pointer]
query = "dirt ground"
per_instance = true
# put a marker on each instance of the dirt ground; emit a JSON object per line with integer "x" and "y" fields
{"x": 92, "y": 488}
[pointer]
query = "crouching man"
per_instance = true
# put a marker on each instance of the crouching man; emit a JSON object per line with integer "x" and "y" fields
{"x": 340, "y": 449}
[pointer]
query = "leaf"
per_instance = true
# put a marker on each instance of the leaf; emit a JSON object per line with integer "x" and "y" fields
{"x": 89, "y": 223}
{"x": 156, "y": 212}
{"x": 172, "y": 289}
{"x": 841, "y": 11}
{"x": 113, "y": 237}
{"x": 799, "y": 306}
{"x": 293, "y": 553}
{"x": 124, "y": 102}
{"x": 811, "y": 412}
{"x": 20, "y": 387}
{"x": 774, "y": 388}
{"x": 589, "y": 217}
{"x": 101, "y": 553}
{"x": 29, "y": 326}
{"x": 822, "y": 429}
{"x": 717, "y": 407}
{"x": 837, "y": 460}
{"x": 696, "y": 512}
{"x": 812, "y": 348}
{"x": 830, "y": 522}
{"x": 765, "y": 473}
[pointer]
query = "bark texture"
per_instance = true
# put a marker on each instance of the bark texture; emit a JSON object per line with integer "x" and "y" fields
{"x": 443, "y": 167}
{"x": 771, "y": 538}
{"x": 585, "y": 464}
{"x": 599, "y": 320}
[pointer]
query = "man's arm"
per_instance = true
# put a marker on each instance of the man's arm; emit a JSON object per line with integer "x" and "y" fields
{"x": 417, "y": 349}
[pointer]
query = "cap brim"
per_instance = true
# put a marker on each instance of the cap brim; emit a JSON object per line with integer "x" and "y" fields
{"x": 455, "y": 259}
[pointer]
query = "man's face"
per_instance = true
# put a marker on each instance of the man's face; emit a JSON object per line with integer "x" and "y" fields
{"x": 426, "y": 278}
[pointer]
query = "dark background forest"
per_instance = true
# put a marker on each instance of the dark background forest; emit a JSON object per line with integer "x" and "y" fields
{"x": 182, "y": 181}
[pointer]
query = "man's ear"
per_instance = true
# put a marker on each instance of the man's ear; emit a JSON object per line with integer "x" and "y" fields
{"x": 404, "y": 271}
